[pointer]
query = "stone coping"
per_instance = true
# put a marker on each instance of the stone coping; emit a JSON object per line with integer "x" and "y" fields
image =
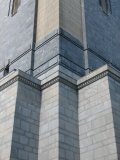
{"x": 106, "y": 70}
{"x": 59, "y": 77}
{"x": 19, "y": 75}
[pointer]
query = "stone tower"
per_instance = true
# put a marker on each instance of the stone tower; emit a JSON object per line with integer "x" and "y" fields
{"x": 59, "y": 80}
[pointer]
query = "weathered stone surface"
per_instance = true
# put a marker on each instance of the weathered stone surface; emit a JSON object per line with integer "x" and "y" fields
{"x": 97, "y": 120}
{"x": 67, "y": 34}
{"x": 16, "y": 31}
{"x": 60, "y": 118}
{"x": 66, "y": 116}
{"x": 19, "y": 118}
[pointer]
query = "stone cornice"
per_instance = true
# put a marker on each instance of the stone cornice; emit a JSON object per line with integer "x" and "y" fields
{"x": 36, "y": 86}
{"x": 92, "y": 80}
{"x": 58, "y": 79}
{"x": 99, "y": 74}
{"x": 20, "y": 77}
{"x": 8, "y": 83}
{"x": 33, "y": 82}
{"x": 83, "y": 82}
{"x": 49, "y": 83}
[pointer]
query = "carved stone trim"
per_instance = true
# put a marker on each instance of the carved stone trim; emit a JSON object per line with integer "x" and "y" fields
{"x": 97, "y": 77}
{"x": 51, "y": 82}
{"x": 58, "y": 79}
{"x": 62, "y": 80}
{"x": 28, "y": 82}
{"x": 8, "y": 83}
{"x": 36, "y": 86}
{"x": 68, "y": 83}
{"x": 21, "y": 79}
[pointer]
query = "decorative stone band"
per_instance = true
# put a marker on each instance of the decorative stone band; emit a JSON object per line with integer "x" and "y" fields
{"x": 110, "y": 72}
{"x": 82, "y": 82}
{"x": 8, "y": 83}
{"x": 21, "y": 79}
{"x": 92, "y": 80}
{"x": 58, "y": 79}
{"x": 49, "y": 83}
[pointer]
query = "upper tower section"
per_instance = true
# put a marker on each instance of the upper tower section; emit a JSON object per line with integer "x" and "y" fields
{"x": 94, "y": 23}
{"x": 102, "y": 21}
{"x": 16, "y": 28}
{"x": 55, "y": 14}
{"x": 82, "y": 33}
{"x": 48, "y": 17}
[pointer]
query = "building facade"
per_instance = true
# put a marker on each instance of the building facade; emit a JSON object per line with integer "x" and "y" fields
{"x": 59, "y": 80}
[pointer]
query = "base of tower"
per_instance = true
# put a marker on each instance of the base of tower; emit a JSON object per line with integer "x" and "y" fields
{"x": 57, "y": 117}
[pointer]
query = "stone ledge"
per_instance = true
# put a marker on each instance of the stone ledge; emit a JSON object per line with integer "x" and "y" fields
{"x": 98, "y": 74}
{"x": 36, "y": 83}
{"x": 59, "y": 77}
{"x": 19, "y": 76}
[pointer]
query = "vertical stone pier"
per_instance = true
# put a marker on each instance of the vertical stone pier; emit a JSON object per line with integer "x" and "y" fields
{"x": 99, "y": 102}
{"x": 19, "y": 117}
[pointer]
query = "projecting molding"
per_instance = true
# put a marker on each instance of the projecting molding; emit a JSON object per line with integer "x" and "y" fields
{"x": 82, "y": 82}
{"x": 98, "y": 74}
{"x": 19, "y": 76}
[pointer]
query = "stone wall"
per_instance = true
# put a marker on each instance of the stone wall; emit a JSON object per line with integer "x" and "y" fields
{"x": 48, "y": 17}
{"x": 58, "y": 136}
{"x": 98, "y": 106}
{"x": 16, "y": 31}
{"x": 115, "y": 98}
{"x": 60, "y": 117}
{"x": 68, "y": 123}
{"x": 19, "y": 117}
{"x": 103, "y": 31}
{"x": 96, "y": 129}
{"x": 64, "y": 28}
{"x": 26, "y": 124}
{"x": 71, "y": 18}
{"x": 49, "y": 124}
{"x": 7, "y": 110}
